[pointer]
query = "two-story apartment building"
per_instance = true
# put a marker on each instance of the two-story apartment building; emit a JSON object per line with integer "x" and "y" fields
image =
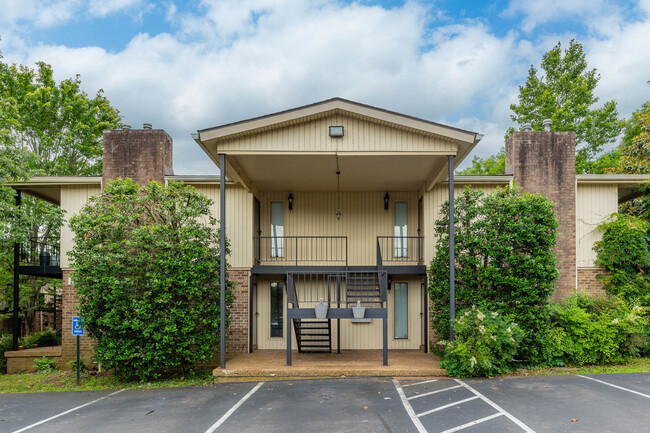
{"x": 336, "y": 202}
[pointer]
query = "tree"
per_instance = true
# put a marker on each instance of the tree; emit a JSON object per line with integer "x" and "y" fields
{"x": 147, "y": 276}
{"x": 634, "y": 151}
{"x": 495, "y": 164}
{"x": 565, "y": 94}
{"x": 46, "y": 128}
{"x": 505, "y": 260}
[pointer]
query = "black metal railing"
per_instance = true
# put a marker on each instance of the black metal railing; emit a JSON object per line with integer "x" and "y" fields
{"x": 400, "y": 249}
{"x": 301, "y": 250}
{"x": 338, "y": 289}
{"x": 41, "y": 251}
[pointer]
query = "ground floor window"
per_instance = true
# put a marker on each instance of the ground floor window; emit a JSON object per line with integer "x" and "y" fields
{"x": 401, "y": 309}
{"x": 277, "y": 309}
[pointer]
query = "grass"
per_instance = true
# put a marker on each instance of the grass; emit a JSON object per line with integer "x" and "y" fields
{"x": 638, "y": 365}
{"x": 67, "y": 381}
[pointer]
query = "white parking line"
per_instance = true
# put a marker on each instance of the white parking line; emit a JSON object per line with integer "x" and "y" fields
{"x": 233, "y": 409}
{"x": 473, "y": 423}
{"x": 66, "y": 412}
{"x": 439, "y": 408}
{"x": 614, "y": 386}
{"x": 433, "y": 392}
{"x": 419, "y": 383}
{"x": 409, "y": 410}
{"x": 497, "y": 407}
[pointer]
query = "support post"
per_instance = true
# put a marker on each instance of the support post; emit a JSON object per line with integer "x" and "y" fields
{"x": 78, "y": 360}
{"x": 251, "y": 329}
{"x": 15, "y": 322}
{"x": 222, "y": 252}
{"x": 289, "y": 323}
{"x": 425, "y": 307}
{"x": 385, "y": 338}
{"x": 452, "y": 258}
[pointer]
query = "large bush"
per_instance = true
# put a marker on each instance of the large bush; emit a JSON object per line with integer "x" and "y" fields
{"x": 588, "y": 330}
{"x": 504, "y": 260}
{"x": 624, "y": 252}
{"x": 147, "y": 276}
{"x": 485, "y": 344}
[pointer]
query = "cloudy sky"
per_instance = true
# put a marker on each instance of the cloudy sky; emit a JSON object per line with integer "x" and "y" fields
{"x": 188, "y": 65}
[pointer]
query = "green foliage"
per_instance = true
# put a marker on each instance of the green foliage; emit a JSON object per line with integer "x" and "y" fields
{"x": 634, "y": 151}
{"x": 624, "y": 252}
{"x": 5, "y": 346}
{"x": 565, "y": 94}
{"x": 147, "y": 275}
{"x": 45, "y": 338}
{"x": 45, "y": 365}
{"x": 485, "y": 344}
{"x": 504, "y": 260}
{"x": 46, "y": 128}
{"x": 495, "y": 164}
{"x": 589, "y": 330}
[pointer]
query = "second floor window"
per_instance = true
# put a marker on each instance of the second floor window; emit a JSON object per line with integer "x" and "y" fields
{"x": 401, "y": 242}
{"x": 277, "y": 229}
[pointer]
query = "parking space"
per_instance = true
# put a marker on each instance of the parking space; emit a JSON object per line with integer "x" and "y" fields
{"x": 594, "y": 403}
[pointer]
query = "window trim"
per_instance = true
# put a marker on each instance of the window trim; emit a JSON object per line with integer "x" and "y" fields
{"x": 405, "y": 283}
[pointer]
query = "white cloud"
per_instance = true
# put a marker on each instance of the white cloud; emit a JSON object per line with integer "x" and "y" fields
{"x": 102, "y": 8}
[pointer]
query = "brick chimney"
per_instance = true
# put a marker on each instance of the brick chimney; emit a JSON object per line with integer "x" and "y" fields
{"x": 543, "y": 162}
{"x": 141, "y": 154}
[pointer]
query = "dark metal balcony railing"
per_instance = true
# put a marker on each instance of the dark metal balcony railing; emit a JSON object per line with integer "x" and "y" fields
{"x": 400, "y": 249}
{"x": 40, "y": 252}
{"x": 301, "y": 250}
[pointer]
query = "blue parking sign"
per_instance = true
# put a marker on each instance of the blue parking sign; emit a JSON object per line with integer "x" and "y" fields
{"x": 77, "y": 326}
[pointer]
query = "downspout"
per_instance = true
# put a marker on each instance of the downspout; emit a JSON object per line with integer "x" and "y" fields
{"x": 452, "y": 256}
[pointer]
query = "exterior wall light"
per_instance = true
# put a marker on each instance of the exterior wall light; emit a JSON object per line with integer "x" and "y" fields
{"x": 336, "y": 131}
{"x": 386, "y": 200}
{"x": 290, "y": 202}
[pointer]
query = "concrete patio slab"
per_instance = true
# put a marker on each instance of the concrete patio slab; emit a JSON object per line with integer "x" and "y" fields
{"x": 349, "y": 363}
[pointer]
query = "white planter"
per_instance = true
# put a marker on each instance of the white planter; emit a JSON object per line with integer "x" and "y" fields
{"x": 358, "y": 312}
{"x": 321, "y": 310}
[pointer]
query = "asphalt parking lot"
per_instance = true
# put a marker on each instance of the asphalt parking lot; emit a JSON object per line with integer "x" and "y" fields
{"x": 596, "y": 403}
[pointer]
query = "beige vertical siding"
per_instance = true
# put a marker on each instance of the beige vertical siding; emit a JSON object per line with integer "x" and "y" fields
{"x": 73, "y": 197}
{"x": 364, "y": 218}
{"x": 360, "y": 136}
{"x": 595, "y": 203}
{"x": 239, "y": 220}
{"x": 354, "y": 335}
{"x": 432, "y": 202}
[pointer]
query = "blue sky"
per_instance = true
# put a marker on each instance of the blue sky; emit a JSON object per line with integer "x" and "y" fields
{"x": 188, "y": 65}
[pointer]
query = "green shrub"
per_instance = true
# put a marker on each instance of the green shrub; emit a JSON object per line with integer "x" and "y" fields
{"x": 5, "y": 346}
{"x": 45, "y": 338}
{"x": 147, "y": 276}
{"x": 45, "y": 365}
{"x": 588, "y": 330}
{"x": 485, "y": 344}
{"x": 504, "y": 260}
{"x": 624, "y": 252}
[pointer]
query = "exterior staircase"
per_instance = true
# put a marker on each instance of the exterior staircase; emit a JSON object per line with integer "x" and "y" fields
{"x": 363, "y": 287}
{"x": 313, "y": 335}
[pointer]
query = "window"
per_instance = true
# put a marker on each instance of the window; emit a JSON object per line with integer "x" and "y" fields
{"x": 277, "y": 229}
{"x": 277, "y": 309}
{"x": 401, "y": 310}
{"x": 401, "y": 242}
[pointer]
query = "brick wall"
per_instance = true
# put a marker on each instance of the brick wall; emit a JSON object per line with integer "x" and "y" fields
{"x": 544, "y": 163}
{"x": 588, "y": 282}
{"x": 69, "y": 341}
{"x": 141, "y": 154}
{"x": 237, "y": 338}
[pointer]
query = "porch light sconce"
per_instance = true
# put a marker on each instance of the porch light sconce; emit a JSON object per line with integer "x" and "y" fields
{"x": 390, "y": 283}
{"x": 386, "y": 199}
{"x": 336, "y": 131}
{"x": 290, "y": 202}
{"x": 338, "y": 214}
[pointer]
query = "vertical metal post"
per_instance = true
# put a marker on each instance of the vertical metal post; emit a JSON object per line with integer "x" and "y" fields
{"x": 426, "y": 315}
{"x": 289, "y": 322}
{"x": 16, "y": 302}
{"x": 338, "y": 321}
{"x": 222, "y": 252}
{"x": 78, "y": 360}
{"x": 452, "y": 258}
{"x": 250, "y": 314}
{"x": 385, "y": 331}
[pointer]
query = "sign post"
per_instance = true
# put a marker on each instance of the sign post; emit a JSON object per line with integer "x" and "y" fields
{"x": 78, "y": 330}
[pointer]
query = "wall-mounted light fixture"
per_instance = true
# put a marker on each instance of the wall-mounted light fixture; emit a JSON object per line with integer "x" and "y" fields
{"x": 386, "y": 200}
{"x": 290, "y": 202}
{"x": 336, "y": 131}
{"x": 389, "y": 281}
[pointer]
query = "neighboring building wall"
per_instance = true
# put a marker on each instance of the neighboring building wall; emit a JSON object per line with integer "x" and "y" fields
{"x": 68, "y": 341}
{"x": 588, "y": 281}
{"x": 544, "y": 163}
{"x": 141, "y": 154}
{"x": 364, "y": 218}
{"x": 73, "y": 198}
{"x": 238, "y": 331}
